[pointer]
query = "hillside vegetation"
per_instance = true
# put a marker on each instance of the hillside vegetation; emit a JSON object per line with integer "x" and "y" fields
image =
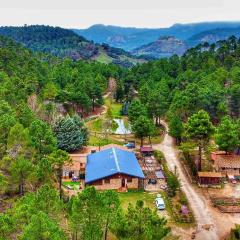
{"x": 205, "y": 77}
{"x": 65, "y": 43}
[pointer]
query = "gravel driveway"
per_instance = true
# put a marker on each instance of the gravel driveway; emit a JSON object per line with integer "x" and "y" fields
{"x": 211, "y": 224}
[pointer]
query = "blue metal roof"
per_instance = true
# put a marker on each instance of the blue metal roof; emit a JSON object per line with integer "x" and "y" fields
{"x": 112, "y": 161}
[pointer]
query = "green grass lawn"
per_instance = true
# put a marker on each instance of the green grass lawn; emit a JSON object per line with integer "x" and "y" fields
{"x": 115, "y": 107}
{"x": 96, "y": 141}
{"x": 132, "y": 197}
{"x": 74, "y": 185}
{"x": 95, "y": 125}
{"x": 104, "y": 58}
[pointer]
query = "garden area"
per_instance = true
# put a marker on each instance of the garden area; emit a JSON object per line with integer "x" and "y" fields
{"x": 133, "y": 196}
{"x": 71, "y": 185}
{"x": 176, "y": 202}
{"x": 227, "y": 204}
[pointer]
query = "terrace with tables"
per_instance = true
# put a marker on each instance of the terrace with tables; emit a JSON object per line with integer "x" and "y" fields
{"x": 154, "y": 176}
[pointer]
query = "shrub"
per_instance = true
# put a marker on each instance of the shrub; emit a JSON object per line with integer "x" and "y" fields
{"x": 159, "y": 156}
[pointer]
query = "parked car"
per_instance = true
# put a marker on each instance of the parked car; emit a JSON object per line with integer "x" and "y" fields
{"x": 152, "y": 181}
{"x": 160, "y": 203}
{"x": 129, "y": 145}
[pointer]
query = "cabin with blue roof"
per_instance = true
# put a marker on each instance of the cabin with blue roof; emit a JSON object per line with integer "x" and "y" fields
{"x": 113, "y": 168}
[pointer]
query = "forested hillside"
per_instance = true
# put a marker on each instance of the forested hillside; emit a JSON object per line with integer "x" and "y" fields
{"x": 198, "y": 94}
{"x": 32, "y": 153}
{"x": 205, "y": 77}
{"x": 65, "y": 43}
{"x": 214, "y": 35}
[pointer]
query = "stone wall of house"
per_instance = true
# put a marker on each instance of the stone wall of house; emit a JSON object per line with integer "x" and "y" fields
{"x": 115, "y": 182}
{"x": 134, "y": 184}
{"x": 103, "y": 185}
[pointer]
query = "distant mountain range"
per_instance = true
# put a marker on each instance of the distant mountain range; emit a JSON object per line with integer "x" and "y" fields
{"x": 65, "y": 43}
{"x": 135, "y": 39}
{"x": 122, "y": 46}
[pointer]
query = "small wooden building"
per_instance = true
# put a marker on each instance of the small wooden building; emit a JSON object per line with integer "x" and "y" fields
{"x": 209, "y": 178}
{"x": 228, "y": 164}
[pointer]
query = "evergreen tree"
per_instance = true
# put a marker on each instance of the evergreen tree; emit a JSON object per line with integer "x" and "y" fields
{"x": 199, "y": 128}
{"x": 42, "y": 227}
{"x": 42, "y": 138}
{"x": 143, "y": 127}
{"x": 58, "y": 158}
{"x": 135, "y": 110}
{"x": 227, "y": 135}
{"x": 87, "y": 215}
{"x": 176, "y": 128}
{"x": 21, "y": 171}
{"x": 140, "y": 223}
{"x": 71, "y": 133}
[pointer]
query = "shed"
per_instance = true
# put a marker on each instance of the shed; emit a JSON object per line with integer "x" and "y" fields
{"x": 209, "y": 178}
{"x": 228, "y": 164}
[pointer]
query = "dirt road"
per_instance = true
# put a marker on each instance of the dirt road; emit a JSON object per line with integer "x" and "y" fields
{"x": 206, "y": 216}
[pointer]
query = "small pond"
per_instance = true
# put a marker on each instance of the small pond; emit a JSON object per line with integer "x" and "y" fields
{"x": 123, "y": 128}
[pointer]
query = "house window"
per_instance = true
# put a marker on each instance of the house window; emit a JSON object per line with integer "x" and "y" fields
{"x": 107, "y": 181}
{"x": 129, "y": 180}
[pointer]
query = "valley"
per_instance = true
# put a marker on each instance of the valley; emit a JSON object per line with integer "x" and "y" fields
{"x": 135, "y": 39}
{"x": 99, "y": 143}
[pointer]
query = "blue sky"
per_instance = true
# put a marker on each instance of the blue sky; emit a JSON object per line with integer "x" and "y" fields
{"x": 138, "y": 13}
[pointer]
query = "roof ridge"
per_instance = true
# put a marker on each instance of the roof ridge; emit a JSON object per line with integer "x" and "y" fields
{"x": 115, "y": 159}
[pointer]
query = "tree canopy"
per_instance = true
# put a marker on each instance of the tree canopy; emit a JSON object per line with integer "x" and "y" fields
{"x": 70, "y": 133}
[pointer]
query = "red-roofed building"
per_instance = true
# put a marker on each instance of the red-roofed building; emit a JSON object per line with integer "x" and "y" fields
{"x": 228, "y": 164}
{"x": 146, "y": 151}
{"x": 217, "y": 153}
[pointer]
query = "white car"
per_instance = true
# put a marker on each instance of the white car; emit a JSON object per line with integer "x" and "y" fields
{"x": 160, "y": 203}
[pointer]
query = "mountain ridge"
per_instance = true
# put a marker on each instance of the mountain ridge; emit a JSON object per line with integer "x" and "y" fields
{"x": 62, "y": 43}
{"x": 130, "y": 38}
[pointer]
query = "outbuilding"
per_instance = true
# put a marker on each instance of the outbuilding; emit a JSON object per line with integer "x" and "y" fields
{"x": 209, "y": 178}
{"x": 228, "y": 164}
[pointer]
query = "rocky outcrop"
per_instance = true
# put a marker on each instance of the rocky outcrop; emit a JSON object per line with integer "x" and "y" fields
{"x": 163, "y": 47}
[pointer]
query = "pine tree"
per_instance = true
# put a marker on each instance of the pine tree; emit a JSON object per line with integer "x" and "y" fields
{"x": 71, "y": 134}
